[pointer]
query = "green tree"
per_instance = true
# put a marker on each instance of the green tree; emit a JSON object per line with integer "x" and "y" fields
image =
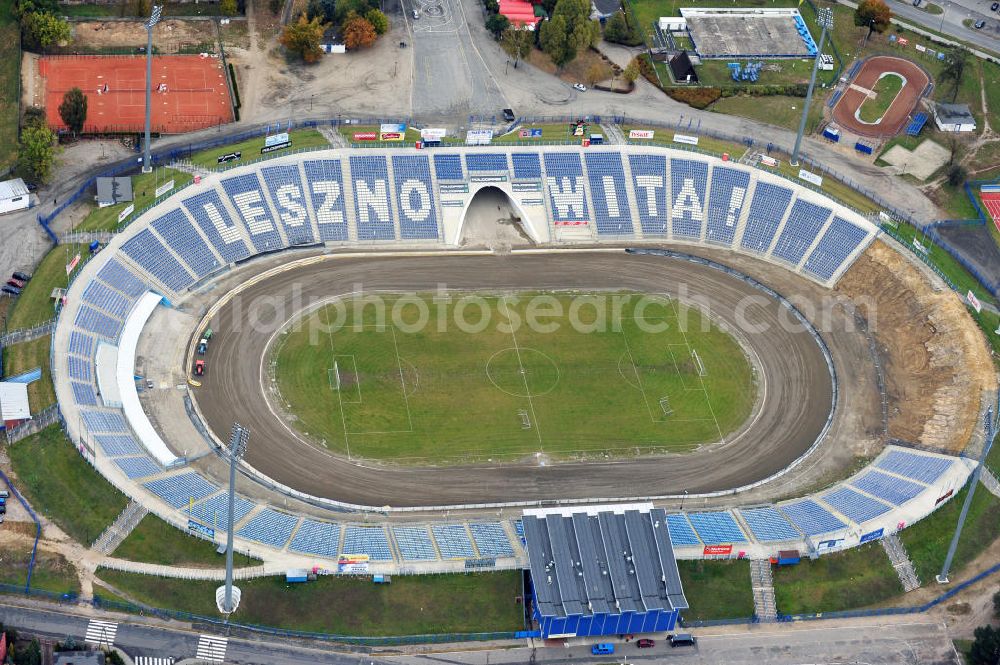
{"x": 358, "y": 32}
{"x": 34, "y": 115}
{"x": 73, "y": 110}
{"x": 986, "y": 647}
{"x": 953, "y": 69}
{"x": 326, "y": 10}
{"x": 38, "y": 151}
{"x": 25, "y": 7}
{"x": 873, "y": 14}
{"x": 554, "y": 40}
{"x": 631, "y": 72}
{"x": 344, "y": 8}
{"x": 274, "y": 6}
{"x": 517, "y": 43}
{"x": 378, "y": 20}
{"x": 996, "y": 605}
{"x": 496, "y": 24}
{"x": 228, "y": 7}
{"x": 303, "y": 37}
{"x": 616, "y": 28}
{"x": 29, "y": 655}
{"x": 40, "y": 30}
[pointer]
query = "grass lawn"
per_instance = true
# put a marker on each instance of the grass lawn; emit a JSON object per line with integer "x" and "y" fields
{"x": 716, "y": 589}
{"x": 550, "y": 132}
{"x": 10, "y": 73}
{"x": 52, "y": 571}
{"x": 202, "y": 8}
{"x": 665, "y": 137}
{"x": 155, "y": 541}
{"x": 831, "y": 186}
{"x": 927, "y": 541}
{"x": 845, "y": 580}
{"x": 144, "y": 191}
{"x": 34, "y": 305}
{"x": 63, "y": 487}
{"x": 27, "y": 356}
{"x": 348, "y": 131}
{"x": 580, "y": 390}
{"x": 886, "y": 89}
{"x": 301, "y": 139}
{"x": 411, "y": 605}
{"x": 776, "y": 110}
{"x": 716, "y": 72}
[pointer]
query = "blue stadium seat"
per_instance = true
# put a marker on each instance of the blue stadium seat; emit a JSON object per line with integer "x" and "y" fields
{"x": 854, "y": 506}
{"x": 564, "y": 183}
{"x": 803, "y": 225}
{"x": 448, "y": 167}
{"x": 526, "y": 166}
{"x": 727, "y": 198}
{"x": 81, "y": 344}
{"x": 608, "y": 193}
{"x": 371, "y": 197}
{"x": 370, "y": 540}
{"x": 121, "y": 278}
{"x": 716, "y": 528}
{"x": 894, "y": 490}
{"x": 680, "y": 530}
{"x": 79, "y": 368}
{"x": 648, "y": 181}
{"x": 213, "y": 219}
{"x": 414, "y": 543}
{"x": 767, "y": 209}
{"x": 811, "y": 518}
{"x": 83, "y": 393}
{"x": 491, "y": 540}
{"x": 250, "y": 201}
{"x": 486, "y": 161}
{"x": 285, "y": 186}
{"x": 318, "y": 538}
{"x": 269, "y": 527}
{"x": 181, "y": 237}
{"x": 768, "y": 525}
{"x": 114, "y": 445}
{"x": 151, "y": 255}
{"x": 325, "y": 179}
{"x": 688, "y": 182}
{"x": 103, "y": 421}
{"x": 836, "y": 246}
{"x": 453, "y": 541}
{"x": 415, "y": 198}
{"x": 214, "y": 511}
{"x": 104, "y": 297}
{"x": 925, "y": 468}
{"x": 90, "y": 319}
{"x": 179, "y": 490}
{"x": 137, "y": 467}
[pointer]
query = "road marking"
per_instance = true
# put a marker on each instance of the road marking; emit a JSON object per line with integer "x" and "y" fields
{"x": 153, "y": 660}
{"x": 101, "y": 632}
{"x": 212, "y": 648}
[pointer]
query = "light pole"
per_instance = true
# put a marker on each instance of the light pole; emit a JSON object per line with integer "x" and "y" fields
{"x": 154, "y": 18}
{"x": 825, "y": 20}
{"x": 227, "y": 597}
{"x": 973, "y": 481}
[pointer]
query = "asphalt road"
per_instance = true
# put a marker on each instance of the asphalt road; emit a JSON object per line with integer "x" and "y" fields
{"x": 951, "y": 21}
{"x": 796, "y": 398}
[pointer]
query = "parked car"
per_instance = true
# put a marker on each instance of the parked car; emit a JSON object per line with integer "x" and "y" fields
{"x": 11, "y": 290}
{"x": 979, "y": 25}
{"x": 645, "y": 643}
{"x": 416, "y": 14}
{"x": 199, "y": 368}
{"x": 23, "y": 276}
{"x": 202, "y": 347}
{"x": 995, "y": 6}
{"x": 508, "y": 115}
{"x": 682, "y": 640}
{"x": 581, "y": 87}
{"x": 603, "y": 648}
{"x": 15, "y": 282}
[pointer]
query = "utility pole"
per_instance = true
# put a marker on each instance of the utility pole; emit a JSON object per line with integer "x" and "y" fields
{"x": 988, "y": 430}
{"x": 154, "y": 18}
{"x": 825, "y": 20}
{"x": 227, "y": 597}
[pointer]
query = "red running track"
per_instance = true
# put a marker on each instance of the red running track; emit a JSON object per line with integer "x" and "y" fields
{"x": 898, "y": 113}
{"x": 992, "y": 202}
{"x": 196, "y": 94}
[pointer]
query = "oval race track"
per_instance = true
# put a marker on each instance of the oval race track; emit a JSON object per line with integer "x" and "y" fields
{"x": 795, "y": 406}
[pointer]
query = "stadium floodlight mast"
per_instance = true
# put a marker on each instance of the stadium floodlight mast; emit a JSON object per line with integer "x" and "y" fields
{"x": 825, "y": 20}
{"x": 154, "y": 18}
{"x": 227, "y": 597}
{"x": 989, "y": 431}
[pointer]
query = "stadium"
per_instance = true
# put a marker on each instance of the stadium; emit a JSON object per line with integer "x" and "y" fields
{"x": 494, "y": 450}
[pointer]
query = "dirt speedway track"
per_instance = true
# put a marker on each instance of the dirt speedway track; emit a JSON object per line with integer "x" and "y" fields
{"x": 794, "y": 393}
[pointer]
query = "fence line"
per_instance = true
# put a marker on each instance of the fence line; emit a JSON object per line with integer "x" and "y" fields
{"x": 38, "y": 422}
{"x": 27, "y": 334}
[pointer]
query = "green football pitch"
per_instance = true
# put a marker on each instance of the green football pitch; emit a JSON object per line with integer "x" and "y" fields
{"x": 476, "y": 378}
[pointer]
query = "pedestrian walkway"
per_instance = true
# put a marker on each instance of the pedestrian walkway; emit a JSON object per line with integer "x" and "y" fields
{"x": 101, "y": 633}
{"x": 119, "y": 530}
{"x": 989, "y": 481}
{"x": 900, "y": 560}
{"x": 153, "y": 660}
{"x": 212, "y": 648}
{"x": 763, "y": 591}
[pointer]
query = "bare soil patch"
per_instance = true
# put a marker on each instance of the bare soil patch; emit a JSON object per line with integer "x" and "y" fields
{"x": 171, "y": 35}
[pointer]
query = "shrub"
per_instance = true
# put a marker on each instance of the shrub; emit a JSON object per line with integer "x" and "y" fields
{"x": 699, "y": 98}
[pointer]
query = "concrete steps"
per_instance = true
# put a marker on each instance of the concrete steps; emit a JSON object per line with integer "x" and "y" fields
{"x": 900, "y": 560}
{"x": 119, "y": 530}
{"x": 763, "y": 591}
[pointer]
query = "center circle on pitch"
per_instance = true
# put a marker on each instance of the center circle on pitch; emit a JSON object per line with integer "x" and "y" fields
{"x": 433, "y": 10}
{"x": 522, "y": 372}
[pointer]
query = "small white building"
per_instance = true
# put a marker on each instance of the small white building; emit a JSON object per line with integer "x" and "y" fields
{"x": 14, "y": 195}
{"x": 14, "y": 403}
{"x": 954, "y": 118}
{"x": 673, "y": 24}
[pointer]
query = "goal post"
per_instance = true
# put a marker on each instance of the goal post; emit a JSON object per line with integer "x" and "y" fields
{"x": 334, "y": 373}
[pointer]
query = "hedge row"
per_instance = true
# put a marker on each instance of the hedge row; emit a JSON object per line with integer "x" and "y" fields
{"x": 236, "y": 93}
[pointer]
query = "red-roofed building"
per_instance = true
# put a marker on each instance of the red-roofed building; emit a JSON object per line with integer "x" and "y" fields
{"x": 520, "y": 13}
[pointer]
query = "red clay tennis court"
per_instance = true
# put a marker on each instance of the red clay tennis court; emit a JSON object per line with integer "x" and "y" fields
{"x": 189, "y": 92}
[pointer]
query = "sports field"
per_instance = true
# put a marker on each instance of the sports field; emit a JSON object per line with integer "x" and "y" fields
{"x": 499, "y": 377}
{"x": 886, "y": 90}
